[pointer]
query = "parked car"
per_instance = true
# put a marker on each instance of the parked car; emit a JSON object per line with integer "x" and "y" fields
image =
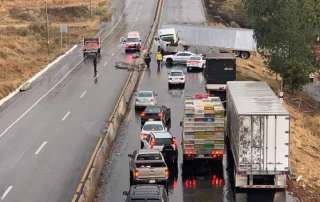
{"x": 157, "y": 113}
{"x": 146, "y": 192}
{"x": 178, "y": 58}
{"x": 165, "y": 143}
{"x": 150, "y": 126}
{"x": 196, "y": 62}
{"x": 148, "y": 166}
{"x": 176, "y": 77}
{"x": 145, "y": 98}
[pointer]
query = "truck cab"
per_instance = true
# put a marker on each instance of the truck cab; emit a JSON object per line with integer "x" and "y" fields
{"x": 168, "y": 40}
{"x": 132, "y": 42}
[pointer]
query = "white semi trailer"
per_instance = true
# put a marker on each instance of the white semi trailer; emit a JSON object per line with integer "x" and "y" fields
{"x": 258, "y": 130}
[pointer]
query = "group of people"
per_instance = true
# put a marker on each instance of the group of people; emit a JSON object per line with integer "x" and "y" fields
{"x": 159, "y": 58}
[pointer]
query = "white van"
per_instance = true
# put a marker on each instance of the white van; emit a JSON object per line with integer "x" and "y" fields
{"x": 132, "y": 42}
{"x": 168, "y": 40}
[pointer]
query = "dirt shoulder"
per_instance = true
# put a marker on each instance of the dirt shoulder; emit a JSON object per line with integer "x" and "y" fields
{"x": 304, "y": 111}
{"x": 23, "y": 36}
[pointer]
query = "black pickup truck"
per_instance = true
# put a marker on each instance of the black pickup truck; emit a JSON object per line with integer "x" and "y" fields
{"x": 157, "y": 113}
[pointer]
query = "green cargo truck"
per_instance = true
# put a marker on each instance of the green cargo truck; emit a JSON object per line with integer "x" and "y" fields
{"x": 203, "y": 128}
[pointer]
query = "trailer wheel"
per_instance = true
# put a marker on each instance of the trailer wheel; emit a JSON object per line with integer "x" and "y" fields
{"x": 244, "y": 54}
{"x": 131, "y": 178}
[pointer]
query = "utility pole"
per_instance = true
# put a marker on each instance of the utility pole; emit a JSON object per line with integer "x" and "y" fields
{"x": 47, "y": 26}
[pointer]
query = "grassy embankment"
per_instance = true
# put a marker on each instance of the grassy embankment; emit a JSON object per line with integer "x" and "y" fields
{"x": 305, "y": 112}
{"x": 23, "y": 36}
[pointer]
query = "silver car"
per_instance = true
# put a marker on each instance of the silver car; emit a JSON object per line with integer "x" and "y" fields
{"x": 145, "y": 98}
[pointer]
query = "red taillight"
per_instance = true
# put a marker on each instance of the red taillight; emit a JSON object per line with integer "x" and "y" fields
{"x": 167, "y": 173}
{"x": 143, "y": 114}
{"x": 201, "y": 96}
{"x": 217, "y": 153}
{"x": 174, "y": 140}
{"x": 190, "y": 152}
{"x": 190, "y": 183}
{"x": 216, "y": 181}
{"x": 160, "y": 114}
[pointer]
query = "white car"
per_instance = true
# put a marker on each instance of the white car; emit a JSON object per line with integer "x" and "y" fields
{"x": 196, "y": 62}
{"x": 151, "y": 126}
{"x": 178, "y": 58}
{"x": 145, "y": 98}
{"x": 176, "y": 77}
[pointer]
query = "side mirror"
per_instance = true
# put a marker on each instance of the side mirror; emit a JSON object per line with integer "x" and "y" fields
{"x": 130, "y": 155}
{"x": 125, "y": 193}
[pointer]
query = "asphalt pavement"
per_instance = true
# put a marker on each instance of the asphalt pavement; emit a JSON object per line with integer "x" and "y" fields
{"x": 48, "y": 133}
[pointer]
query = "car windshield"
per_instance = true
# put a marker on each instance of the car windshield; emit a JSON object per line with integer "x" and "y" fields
{"x": 176, "y": 73}
{"x": 133, "y": 39}
{"x": 163, "y": 141}
{"x": 153, "y": 109}
{"x": 144, "y": 157}
{"x": 145, "y": 94}
{"x": 153, "y": 127}
{"x": 167, "y": 38}
{"x": 195, "y": 58}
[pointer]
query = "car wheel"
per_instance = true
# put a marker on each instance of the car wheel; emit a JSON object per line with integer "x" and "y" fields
{"x": 169, "y": 61}
{"x": 189, "y": 69}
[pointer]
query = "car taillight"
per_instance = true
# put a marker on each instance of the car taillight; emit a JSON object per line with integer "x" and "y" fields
{"x": 216, "y": 181}
{"x": 190, "y": 151}
{"x": 216, "y": 153}
{"x": 174, "y": 140}
{"x": 167, "y": 173}
{"x": 160, "y": 114}
{"x": 143, "y": 114}
{"x": 136, "y": 173}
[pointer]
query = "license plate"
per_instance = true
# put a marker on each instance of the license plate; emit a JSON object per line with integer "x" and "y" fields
{"x": 152, "y": 181}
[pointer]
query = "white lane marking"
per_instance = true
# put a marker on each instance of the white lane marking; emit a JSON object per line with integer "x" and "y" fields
{"x": 37, "y": 102}
{"x": 83, "y": 94}
{"x": 5, "y": 99}
{"x": 112, "y": 54}
{"x": 41, "y": 147}
{"x": 105, "y": 64}
{"x": 4, "y": 195}
{"x": 66, "y": 116}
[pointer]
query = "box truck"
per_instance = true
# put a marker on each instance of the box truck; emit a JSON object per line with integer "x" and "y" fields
{"x": 258, "y": 130}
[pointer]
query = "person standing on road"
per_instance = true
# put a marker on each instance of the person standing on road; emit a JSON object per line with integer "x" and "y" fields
{"x": 147, "y": 60}
{"x": 159, "y": 58}
{"x": 95, "y": 66}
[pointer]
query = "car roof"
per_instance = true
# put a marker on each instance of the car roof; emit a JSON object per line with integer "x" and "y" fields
{"x": 148, "y": 151}
{"x": 160, "y": 135}
{"x": 153, "y": 122}
{"x": 133, "y": 34}
{"x": 146, "y": 191}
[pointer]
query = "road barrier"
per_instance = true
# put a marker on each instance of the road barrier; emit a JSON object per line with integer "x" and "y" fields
{"x": 87, "y": 186}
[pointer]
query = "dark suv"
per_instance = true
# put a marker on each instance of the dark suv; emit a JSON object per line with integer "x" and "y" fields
{"x": 146, "y": 192}
{"x": 157, "y": 113}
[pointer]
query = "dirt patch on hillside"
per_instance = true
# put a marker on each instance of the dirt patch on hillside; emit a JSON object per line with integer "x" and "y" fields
{"x": 23, "y": 35}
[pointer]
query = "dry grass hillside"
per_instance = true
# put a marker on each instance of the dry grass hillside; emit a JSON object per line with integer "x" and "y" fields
{"x": 23, "y": 38}
{"x": 304, "y": 111}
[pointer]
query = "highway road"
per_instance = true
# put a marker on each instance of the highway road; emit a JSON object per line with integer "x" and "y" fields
{"x": 48, "y": 133}
{"x": 203, "y": 181}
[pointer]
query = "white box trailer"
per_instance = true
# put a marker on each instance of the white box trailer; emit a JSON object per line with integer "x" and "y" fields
{"x": 258, "y": 129}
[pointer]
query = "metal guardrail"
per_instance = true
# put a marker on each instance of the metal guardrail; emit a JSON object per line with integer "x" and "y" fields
{"x": 89, "y": 180}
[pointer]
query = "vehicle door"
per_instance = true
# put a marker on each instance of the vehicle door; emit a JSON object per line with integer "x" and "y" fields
{"x": 185, "y": 57}
{"x": 179, "y": 57}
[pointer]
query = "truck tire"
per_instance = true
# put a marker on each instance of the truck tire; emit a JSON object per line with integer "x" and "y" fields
{"x": 189, "y": 69}
{"x": 169, "y": 61}
{"x": 244, "y": 54}
{"x": 141, "y": 145}
{"x": 131, "y": 178}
